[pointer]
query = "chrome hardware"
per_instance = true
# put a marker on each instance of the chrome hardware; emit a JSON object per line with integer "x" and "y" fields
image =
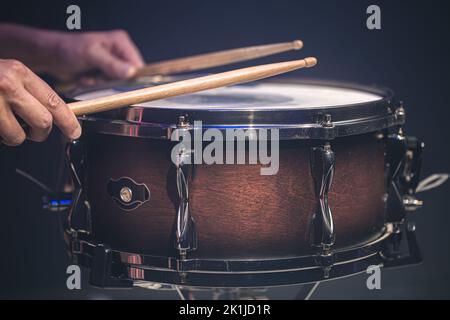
{"x": 433, "y": 181}
{"x": 403, "y": 163}
{"x": 322, "y": 169}
{"x": 393, "y": 256}
{"x": 411, "y": 226}
{"x": 185, "y": 233}
{"x": 101, "y": 270}
{"x": 182, "y": 122}
{"x": 326, "y": 122}
{"x": 76, "y": 224}
{"x": 127, "y": 193}
{"x": 75, "y": 158}
{"x": 400, "y": 113}
{"x": 410, "y": 203}
{"x": 243, "y": 273}
{"x": 413, "y": 163}
{"x": 293, "y": 123}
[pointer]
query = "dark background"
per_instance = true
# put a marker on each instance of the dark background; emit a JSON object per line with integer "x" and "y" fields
{"x": 410, "y": 55}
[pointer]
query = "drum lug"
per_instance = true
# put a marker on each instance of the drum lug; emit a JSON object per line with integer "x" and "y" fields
{"x": 322, "y": 169}
{"x": 186, "y": 237}
{"x": 76, "y": 160}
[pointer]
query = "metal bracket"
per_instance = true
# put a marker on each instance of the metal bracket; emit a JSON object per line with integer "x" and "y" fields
{"x": 76, "y": 160}
{"x": 186, "y": 238}
{"x": 393, "y": 256}
{"x": 101, "y": 270}
{"x": 403, "y": 161}
{"x": 323, "y": 232}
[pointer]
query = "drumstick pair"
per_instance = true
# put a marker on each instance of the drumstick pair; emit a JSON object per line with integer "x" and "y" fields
{"x": 201, "y": 83}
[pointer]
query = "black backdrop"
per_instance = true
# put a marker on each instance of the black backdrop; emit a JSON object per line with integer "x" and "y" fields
{"x": 410, "y": 55}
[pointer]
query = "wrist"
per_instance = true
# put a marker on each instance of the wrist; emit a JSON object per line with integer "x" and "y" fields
{"x": 45, "y": 46}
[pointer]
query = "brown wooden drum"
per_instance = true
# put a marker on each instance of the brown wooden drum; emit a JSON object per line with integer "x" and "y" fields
{"x": 335, "y": 206}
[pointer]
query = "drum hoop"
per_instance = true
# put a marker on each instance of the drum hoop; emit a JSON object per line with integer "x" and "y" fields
{"x": 241, "y": 272}
{"x": 343, "y": 120}
{"x": 286, "y": 131}
{"x": 232, "y": 266}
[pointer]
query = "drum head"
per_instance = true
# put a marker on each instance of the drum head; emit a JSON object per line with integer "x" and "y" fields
{"x": 300, "y": 109}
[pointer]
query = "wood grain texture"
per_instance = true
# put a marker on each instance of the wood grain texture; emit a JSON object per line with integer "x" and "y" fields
{"x": 215, "y": 59}
{"x": 188, "y": 86}
{"x": 238, "y": 212}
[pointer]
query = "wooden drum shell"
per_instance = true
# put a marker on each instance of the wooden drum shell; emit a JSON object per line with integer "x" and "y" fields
{"x": 238, "y": 212}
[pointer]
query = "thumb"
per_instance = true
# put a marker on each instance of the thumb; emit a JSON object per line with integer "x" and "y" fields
{"x": 100, "y": 57}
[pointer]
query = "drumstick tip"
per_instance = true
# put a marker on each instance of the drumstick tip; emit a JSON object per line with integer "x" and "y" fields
{"x": 310, "y": 62}
{"x": 297, "y": 44}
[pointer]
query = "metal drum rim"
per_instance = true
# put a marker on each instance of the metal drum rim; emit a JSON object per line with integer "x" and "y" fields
{"x": 309, "y": 268}
{"x": 346, "y": 120}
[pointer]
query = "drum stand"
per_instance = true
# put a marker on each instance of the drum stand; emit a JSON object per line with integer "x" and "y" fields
{"x": 224, "y": 293}
{"x": 305, "y": 292}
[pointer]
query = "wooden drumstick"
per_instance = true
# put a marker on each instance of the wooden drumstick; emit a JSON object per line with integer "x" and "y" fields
{"x": 215, "y": 59}
{"x": 173, "y": 89}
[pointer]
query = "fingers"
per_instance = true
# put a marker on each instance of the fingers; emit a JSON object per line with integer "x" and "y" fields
{"x": 111, "y": 52}
{"x": 34, "y": 114}
{"x": 63, "y": 117}
{"x": 25, "y": 94}
{"x": 126, "y": 49}
{"x": 117, "y": 56}
{"x": 11, "y": 133}
{"x": 103, "y": 58}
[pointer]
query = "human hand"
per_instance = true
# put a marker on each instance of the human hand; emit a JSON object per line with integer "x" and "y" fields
{"x": 111, "y": 54}
{"x": 24, "y": 94}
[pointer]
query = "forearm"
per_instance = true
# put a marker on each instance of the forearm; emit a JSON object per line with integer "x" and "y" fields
{"x": 34, "y": 47}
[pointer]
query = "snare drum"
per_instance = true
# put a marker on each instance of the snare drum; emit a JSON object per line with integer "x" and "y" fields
{"x": 336, "y": 206}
